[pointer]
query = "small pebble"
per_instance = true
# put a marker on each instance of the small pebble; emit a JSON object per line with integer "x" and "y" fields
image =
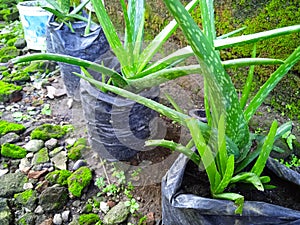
{"x": 65, "y": 216}
{"x": 57, "y": 220}
{"x": 39, "y": 210}
{"x": 79, "y": 163}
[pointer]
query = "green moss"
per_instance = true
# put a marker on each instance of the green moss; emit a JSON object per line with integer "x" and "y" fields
{"x": 18, "y": 77}
{"x": 79, "y": 180}
{"x": 13, "y": 151}
{"x": 8, "y": 53}
{"x": 6, "y": 127}
{"x": 88, "y": 219}
{"x": 41, "y": 157}
{"x": 58, "y": 177}
{"x": 48, "y": 131}
{"x": 75, "y": 152}
{"x": 6, "y": 90}
{"x": 25, "y": 196}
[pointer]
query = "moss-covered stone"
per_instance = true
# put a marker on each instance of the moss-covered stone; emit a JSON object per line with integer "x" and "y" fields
{"x": 58, "y": 177}
{"x": 7, "y": 53}
{"x": 40, "y": 157}
{"x": 48, "y": 131}
{"x": 8, "y": 90}
{"x": 18, "y": 77}
{"x": 6, "y": 127}
{"x": 13, "y": 151}
{"x": 75, "y": 152}
{"x": 88, "y": 219}
{"x": 27, "y": 198}
{"x": 79, "y": 180}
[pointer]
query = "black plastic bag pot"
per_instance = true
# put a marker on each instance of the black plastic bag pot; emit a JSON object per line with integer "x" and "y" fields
{"x": 117, "y": 127}
{"x": 179, "y": 208}
{"x": 61, "y": 40}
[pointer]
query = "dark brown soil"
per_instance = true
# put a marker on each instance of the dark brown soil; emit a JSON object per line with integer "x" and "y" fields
{"x": 285, "y": 194}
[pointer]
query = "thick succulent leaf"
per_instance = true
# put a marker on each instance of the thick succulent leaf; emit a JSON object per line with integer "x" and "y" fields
{"x": 79, "y": 7}
{"x": 271, "y": 83}
{"x": 248, "y": 177}
{"x": 160, "y": 39}
{"x": 231, "y": 33}
{"x": 112, "y": 37}
{"x": 252, "y": 38}
{"x": 237, "y": 198}
{"x": 250, "y": 61}
{"x": 222, "y": 154}
{"x": 136, "y": 10}
{"x": 208, "y": 19}
{"x": 265, "y": 151}
{"x": 227, "y": 175}
{"x": 175, "y": 147}
{"x": 57, "y": 13}
{"x": 54, "y": 4}
{"x": 222, "y": 91}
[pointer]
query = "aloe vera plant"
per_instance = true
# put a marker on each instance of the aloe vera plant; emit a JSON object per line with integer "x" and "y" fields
{"x": 224, "y": 144}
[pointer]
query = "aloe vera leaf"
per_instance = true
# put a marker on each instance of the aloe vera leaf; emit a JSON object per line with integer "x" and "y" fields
{"x": 248, "y": 84}
{"x": 222, "y": 156}
{"x": 65, "y": 6}
{"x": 112, "y": 37}
{"x": 79, "y": 7}
{"x": 54, "y": 4}
{"x": 208, "y": 20}
{"x": 204, "y": 150}
{"x": 231, "y": 33}
{"x": 252, "y": 38}
{"x": 173, "y": 103}
{"x": 160, "y": 39}
{"x": 219, "y": 82}
{"x": 265, "y": 151}
{"x": 57, "y": 13}
{"x": 237, "y": 198}
{"x": 248, "y": 177}
{"x": 88, "y": 26}
{"x": 227, "y": 175}
{"x": 250, "y": 61}
{"x": 118, "y": 79}
{"x": 175, "y": 147}
{"x": 270, "y": 84}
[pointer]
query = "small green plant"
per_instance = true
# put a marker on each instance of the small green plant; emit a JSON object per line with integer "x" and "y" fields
{"x": 19, "y": 116}
{"x": 46, "y": 110}
{"x": 294, "y": 162}
{"x": 133, "y": 205}
{"x": 289, "y": 137}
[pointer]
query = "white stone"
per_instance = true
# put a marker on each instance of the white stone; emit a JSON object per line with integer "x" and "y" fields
{"x": 65, "y": 216}
{"x": 57, "y": 220}
{"x": 39, "y": 210}
{"x": 27, "y": 186}
{"x": 104, "y": 207}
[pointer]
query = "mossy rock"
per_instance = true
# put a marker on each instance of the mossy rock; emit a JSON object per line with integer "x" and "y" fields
{"x": 40, "y": 157}
{"x": 8, "y": 91}
{"x": 27, "y": 198}
{"x": 48, "y": 131}
{"x": 75, "y": 151}
{"x": 13, "y": 151}
{"x": 18, "y": 77}
{"x": 79, "y": 180}
{"x": 7, "y": 53}
{"x": 58, "y": 177}
{"x": 88, "y": 219}
{"x": 6, "y": 127}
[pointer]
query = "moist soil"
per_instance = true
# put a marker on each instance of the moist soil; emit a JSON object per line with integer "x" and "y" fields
{"x": 285, "y": 194}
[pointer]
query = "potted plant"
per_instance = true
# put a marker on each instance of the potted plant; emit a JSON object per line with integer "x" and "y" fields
{"x": 225, "y": 148}
{"x": 70, "y": 31}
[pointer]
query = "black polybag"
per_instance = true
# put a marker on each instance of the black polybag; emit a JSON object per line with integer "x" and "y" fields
{"x": 117, "y": 127}
{"x": 179, "y": 208}
{"x": 61, "y": 40}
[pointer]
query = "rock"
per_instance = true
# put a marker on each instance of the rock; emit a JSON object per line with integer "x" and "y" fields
{"x": 55, "y": 151}
{"x": 117, "y": 214}
{"x": 65, "y": 216}
{"x": 47, "y": 222}
{"x": 60, "y": 160}
{"x": 79, "y": 180}
{"x": 6, "y": 217}
{"x": 10, "y": 92}
{"x": 28, "y": 186}
{"x": 39, "y": 210}
{"x": 53, "y": 198}
{"x": 48, "y": 131}
{"x": 70, "y": 141}
{"x": 20, "y": 43}
{"x": 40, "y": 157}
{"x": 51, "y": 144}
{"x": 12, "y": 183}
{"x": 27, "y": 199}
{"x": 28, "y": 219}
{"x": 57, "y": 220}
{"x": 90, "y": 218}
{"x": 36, "y": 174}
{"x": 24, "y": 164}
{"x": 58, "y": 177}
{"x": 78, "y": 164}
{"x": 76, "y": 203}
{"x": 104, "y": 207}
{"x": 9, "y": 138}
{"x": 34, "y": 145}
{"x": 3, "y": 171}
